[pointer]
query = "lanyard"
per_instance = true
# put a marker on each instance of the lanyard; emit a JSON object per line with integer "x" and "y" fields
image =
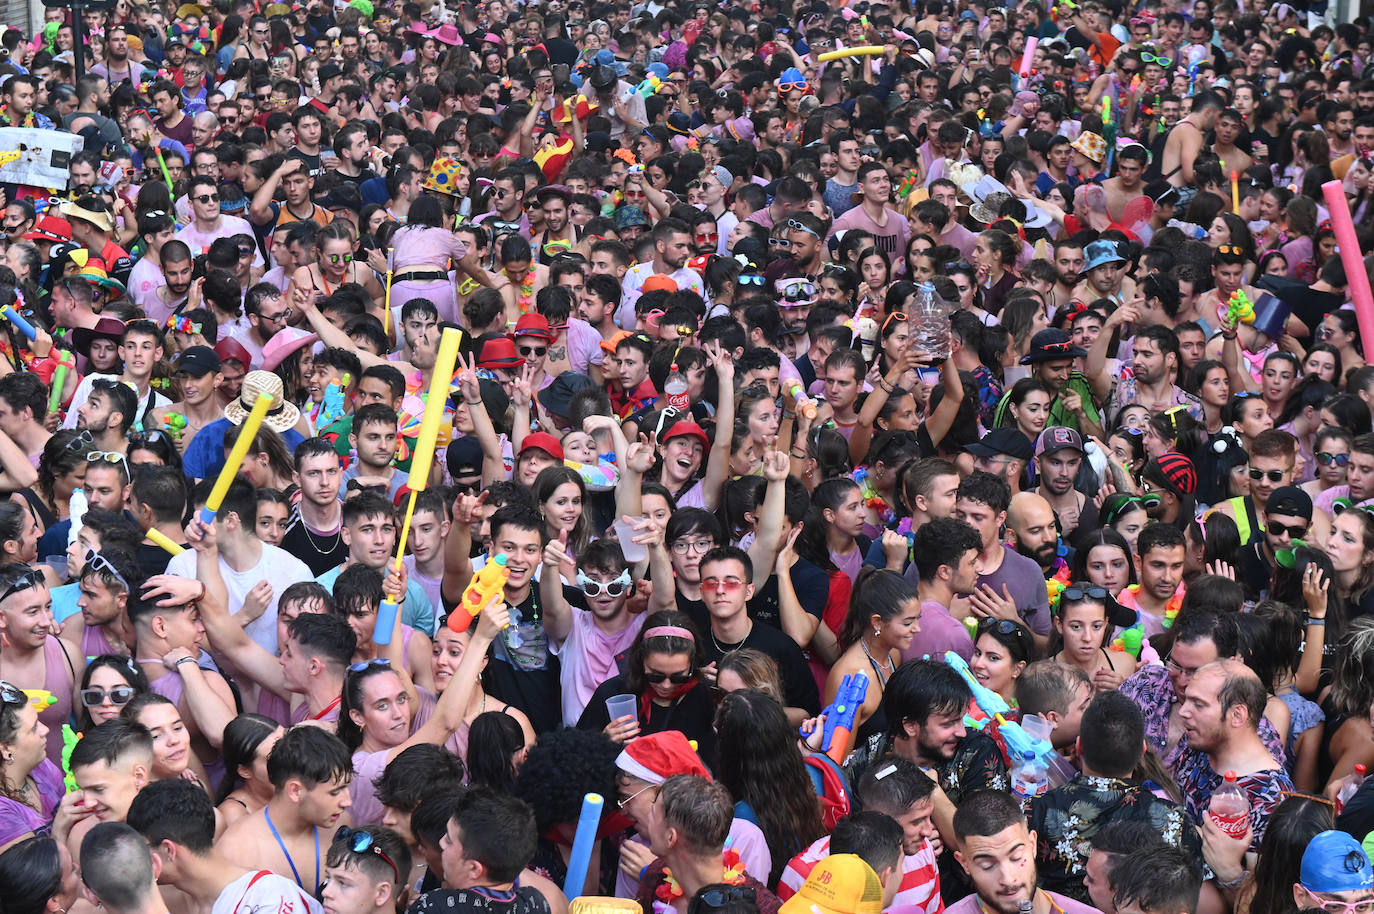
{"x": 321, "y": 716}
{"x": 289, "y": 861}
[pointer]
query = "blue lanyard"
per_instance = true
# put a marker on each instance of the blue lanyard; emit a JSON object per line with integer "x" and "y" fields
{"x": 289, "y": 861}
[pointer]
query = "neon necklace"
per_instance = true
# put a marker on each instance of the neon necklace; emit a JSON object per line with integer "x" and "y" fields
{"x": 289, "y": 861}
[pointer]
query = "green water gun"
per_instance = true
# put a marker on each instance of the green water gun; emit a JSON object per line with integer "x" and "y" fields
{"x": 69, "y": 740}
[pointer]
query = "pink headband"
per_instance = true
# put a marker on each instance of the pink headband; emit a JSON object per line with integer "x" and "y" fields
{"x": 670, "y": 631}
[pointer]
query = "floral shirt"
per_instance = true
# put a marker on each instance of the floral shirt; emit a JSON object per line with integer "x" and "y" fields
{"x": 1066, "y": 819}
{"x": 1264, "y": 788}
{"x": 1150, "y": 688}
{"x": 977, "y": 764}
{"x": 989, "y": 394}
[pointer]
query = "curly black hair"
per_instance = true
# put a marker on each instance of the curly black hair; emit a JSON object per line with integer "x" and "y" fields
{"x": 561, "y": 768}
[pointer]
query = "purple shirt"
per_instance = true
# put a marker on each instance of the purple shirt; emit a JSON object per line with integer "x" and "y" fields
{"x": 19, "y": 819}
{"x": 939, "y": 632}
{"x": 970, "y": 905}
{"x": 1026, "y": 583}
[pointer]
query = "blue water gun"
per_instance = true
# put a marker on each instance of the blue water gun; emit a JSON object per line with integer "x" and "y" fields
{"x": 993, "y": 707}
{"x": 332, "y": 409}
{"x": 839, "y": 716}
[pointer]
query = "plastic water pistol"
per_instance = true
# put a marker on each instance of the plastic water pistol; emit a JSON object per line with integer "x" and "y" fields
{"x": 805, "y": 405}
{"x": 333, "y": 407}
{"x": 486, "y": 585}
{"x": 650, "y": 86}
{"x": 69, "y": 740}
{"x": 991, "y": 706}
{"x": 42, "y": 699}
{"x": 175, "y": 423}
{"x": 1130, "y": 641}
{"x": 1239, "y": 309}
{"x": 839, "y": 716}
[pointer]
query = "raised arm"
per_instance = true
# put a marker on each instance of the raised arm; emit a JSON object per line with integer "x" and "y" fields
{"x": 1095, "y": 366}
{"x": 940, "y": 421}
{"x": 771, "y": 522}
{"x": 718, "y": 462}
{"x": 493, "y": 467}
{"x": 458, "y": 546}
{"x": 558, "y": 615}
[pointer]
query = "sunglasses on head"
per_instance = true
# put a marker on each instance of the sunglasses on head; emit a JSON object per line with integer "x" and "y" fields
{"x": 1273, "y": 475}
{"x": 25, "y": 581}
{"x": 1080, "y": 592}
{"x": 798, "y": 290}
{"x": 798, "y": 226}
{"x": 779, "y": 243}
{"x": 1165, "y": 62}
{"x": 360, "y": 842}
{"x": 364, "y": 664}
{"x": 750, "y": 279}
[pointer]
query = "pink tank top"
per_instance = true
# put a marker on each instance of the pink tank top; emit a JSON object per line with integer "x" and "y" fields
{"x": 57, "y": 679}
{"x": 94, "y": 642}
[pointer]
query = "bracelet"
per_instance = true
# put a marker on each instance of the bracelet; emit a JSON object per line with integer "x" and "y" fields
{"x": 1316, "y": 622}
{"x": 184, "y": 660}
{"x": 1234, "y": 883}
{"x": 888, "y": 388}
{"x": 202, "y": 593}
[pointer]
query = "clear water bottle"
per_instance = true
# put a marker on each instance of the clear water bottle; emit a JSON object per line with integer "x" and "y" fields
{"x": 675, "y": 390}
{"x": 1029, "y": 778}
{"x": 1352, "y": 784}
{"x": 929, "y": 319}
{"x": 1229, "y": 809}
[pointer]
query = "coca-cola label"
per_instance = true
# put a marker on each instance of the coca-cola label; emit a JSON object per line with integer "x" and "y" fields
{"x": 680, "y": 401}
{"x": 1235, "y": 826}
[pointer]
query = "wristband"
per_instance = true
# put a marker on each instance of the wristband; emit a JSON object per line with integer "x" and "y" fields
{"x": 887, "y": 388}
{"x": 1316, "y": 622}
{"x": 184, "y": 660}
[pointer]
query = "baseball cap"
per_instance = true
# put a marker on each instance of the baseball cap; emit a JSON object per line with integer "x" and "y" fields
{"x": 198, "y": 361}
{"x": 542, "y": 441}
{"x": 839, "y": 884}
{"x": 1335, "y": 862}
{"x": 1010, "y": 442}
{"x": 1052, "y": 345}
{"x": 464, "y": 457}
{"x": 329, "y": 71}
{"x": 1290, "y": 501}
{"x": 658, "y": 281}
{"x": 1058, "y": 438}
{"x": 690, "y": 429}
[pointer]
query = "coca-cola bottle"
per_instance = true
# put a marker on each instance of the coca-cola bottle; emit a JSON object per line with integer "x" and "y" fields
{"x": 1352, "y": 784}
{"x": 1229, "y": 809}
{"x": 675, "y": 389}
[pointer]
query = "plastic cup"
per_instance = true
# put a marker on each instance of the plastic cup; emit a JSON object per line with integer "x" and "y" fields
{"x": 619, "y": 706}
{"x": 625, "y": 534}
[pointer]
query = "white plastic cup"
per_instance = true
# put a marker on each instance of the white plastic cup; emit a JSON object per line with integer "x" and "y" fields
{"x": 625, "y": 534}
{"x": 619, "y": 706}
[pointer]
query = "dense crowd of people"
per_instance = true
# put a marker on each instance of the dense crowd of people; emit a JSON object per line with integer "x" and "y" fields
{"x": 901, "y": 457}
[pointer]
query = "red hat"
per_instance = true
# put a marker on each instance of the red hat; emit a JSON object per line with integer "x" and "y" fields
{"x": 499, "y": 354}
{"x": 533, "y": 324}
{"x": 659, "y": 281}
{"x": 542, "y": 441}
{"x": 1179, "y": 470}
{"x": 50, "y": 228}
{"x": 685, "y": 427}
{"x": 659, "y": 756}
{"x": 231, "y": 350}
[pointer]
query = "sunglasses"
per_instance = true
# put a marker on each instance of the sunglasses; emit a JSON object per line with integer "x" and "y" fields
{"x": 27, "y": 580}
{"x": 111, "y": 457}
{"x": 1326, "y": 460}
{"x": 532, "y": 351}
{"x": 750, "y": 279}
{"x": 1165, "y": 62}
{"x": 726, "y": 585}
{"x": 152, "y": 436}
{"x": 1230, "y": 249}
{"x": 658, "y": 678}
{"x": 206, "y": 198}
{"x": 797, "y": 226}
{"x": 1079, "y": 592}
{"x": 894, "y": 316}
{"x": 1000, "y": 626}
{"x": 98, "y": 562}
{"x": 1274, "y": 475}
{"x": 611, "y": 588}
{"x": 360, "y": 842}
{"x": 118, "y": 696}
{"x": 12, "y": 695}
{"x": 340, "y": 258}
{"x": 79, "y": 442}
{"x": 779, "y": 243}
{"x": 364, "y": 664}
{"x": 704, "y": 238}
{"x": 1294, "y": 532}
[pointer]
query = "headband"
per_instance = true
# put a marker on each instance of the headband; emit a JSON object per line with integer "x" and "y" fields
{"x": 670, "y": 631}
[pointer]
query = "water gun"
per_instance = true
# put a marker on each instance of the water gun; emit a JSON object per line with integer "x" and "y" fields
{"x": 333, "y": 407}
{"x": 839, "y": 716}
{"x": 486, "y": 585}
{"x": 69, "y": 740}
{"x": 805, "y": 405}
{"x": 993, "y": 707}
{"x": 1130, "y": 641}
{"x": 650, "y": 86}
{"x": 909, "y": 183}
{"x": 42, "y": 699}
{"x": 175, "y": 423}
{"x": 1054, "y": 587}
{"x": 1240, "y": 310}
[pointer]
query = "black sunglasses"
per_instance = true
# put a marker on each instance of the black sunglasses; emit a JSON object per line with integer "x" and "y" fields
{"x": 674, "y": 678}
{"x": 1274, "y": 475}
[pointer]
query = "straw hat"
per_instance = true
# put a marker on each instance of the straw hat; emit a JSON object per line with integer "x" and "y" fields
{"x": 280, "y": 415}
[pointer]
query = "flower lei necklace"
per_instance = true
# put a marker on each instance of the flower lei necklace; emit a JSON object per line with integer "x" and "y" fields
{"x": 1170, "y": 609}
{"x": 526, "y": 299}
{"x": 871, "y": 497}
{"x": 669, "y": 891}
{"x": 29, "y": 119}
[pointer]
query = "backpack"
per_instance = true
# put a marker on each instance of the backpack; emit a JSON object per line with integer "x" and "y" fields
{"x": 831, "y": 788}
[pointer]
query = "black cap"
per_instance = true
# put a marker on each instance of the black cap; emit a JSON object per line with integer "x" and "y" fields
{"x": 1010, "y": 442}
{"x": 557, "y": 397}
{"x": 1052, "y": 345}
{"x": 464, "y": 457}
{"x": 329, "y": 71}
{"x": 1290, "y": 501}
{"x": 343, "y": 196}
{"x": 599, "y": 141}
{"x": 198, "y": 361}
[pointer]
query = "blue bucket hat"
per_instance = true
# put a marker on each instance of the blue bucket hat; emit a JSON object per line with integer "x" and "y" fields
{"x": 1335, "y": 862}
{"x": 1100, "y": 253}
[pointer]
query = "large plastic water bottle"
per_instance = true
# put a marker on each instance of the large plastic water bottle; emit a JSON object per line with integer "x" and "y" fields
{"x": 1029, "y": 778}
{"x": 1229, "y": 809}
{"x": 929, "y": 320}
{"x": 1352, "y": 785}
{"x": 675, "y": 390}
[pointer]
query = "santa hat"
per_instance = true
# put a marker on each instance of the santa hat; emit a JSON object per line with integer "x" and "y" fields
{"x": 659, "y": 756}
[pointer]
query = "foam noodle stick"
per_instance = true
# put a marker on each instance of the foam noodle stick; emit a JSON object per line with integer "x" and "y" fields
{"x": 247, "y": 433}
{"x": 421, "y": 460}
{"x": 164, "y": 542}
{"x": 871, "y": 50}
{"x": 386, "y": 308}
{"x": 20, "y": 324}
{"x": 1355, "y": 272}
{"x": 1235, "y": 192}
{"x": 583, "y": 841}
{"x": 65, "y": 363}
{"x": 1029, "y": 54}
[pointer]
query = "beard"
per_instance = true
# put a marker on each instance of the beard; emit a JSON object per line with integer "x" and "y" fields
{"x": 1044, "y": 556}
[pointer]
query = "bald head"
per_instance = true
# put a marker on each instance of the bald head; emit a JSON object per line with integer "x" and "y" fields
{"x": 1239, "y": 694}
{"x": 1034, "y": 532}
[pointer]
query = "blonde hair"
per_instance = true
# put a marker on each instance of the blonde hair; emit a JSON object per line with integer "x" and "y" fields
{"x": 757, "y": 669}
{"x": 1352, "y": 687}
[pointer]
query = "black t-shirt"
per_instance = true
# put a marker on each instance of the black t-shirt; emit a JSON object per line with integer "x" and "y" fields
{"x": 798, "y": 685}
{"x": 693, "y": 715}
{"x": 312, "y": 162}
{"x": 534, "y": 687}
{"x": 811, "y": 584}
{"x": 320, "y": 552}
{"x": 561, "y": 50}
{"x": 524, "y": 900}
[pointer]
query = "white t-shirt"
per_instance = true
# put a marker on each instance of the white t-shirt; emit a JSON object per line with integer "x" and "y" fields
{"x": 83, "y": 393}
{"x": 277, "y": 566}
{"x": 259, "y": 893}
{"x": 634, "y": 279}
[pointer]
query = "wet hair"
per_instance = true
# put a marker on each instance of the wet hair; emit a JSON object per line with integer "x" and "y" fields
{"x": 311, "y": 755}
{"x": 892, "y": 785}
{"x": 174, "y": 810}
{"x": 242, "y": 737}
{"x": 415, "y": 771}
{"x": 920, "y": 688}
{"x": 493, "y": 739}
{"x": 31, "y": 873}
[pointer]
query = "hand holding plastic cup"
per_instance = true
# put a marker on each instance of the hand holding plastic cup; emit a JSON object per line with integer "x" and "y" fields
{"x": 634, "y": 552}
